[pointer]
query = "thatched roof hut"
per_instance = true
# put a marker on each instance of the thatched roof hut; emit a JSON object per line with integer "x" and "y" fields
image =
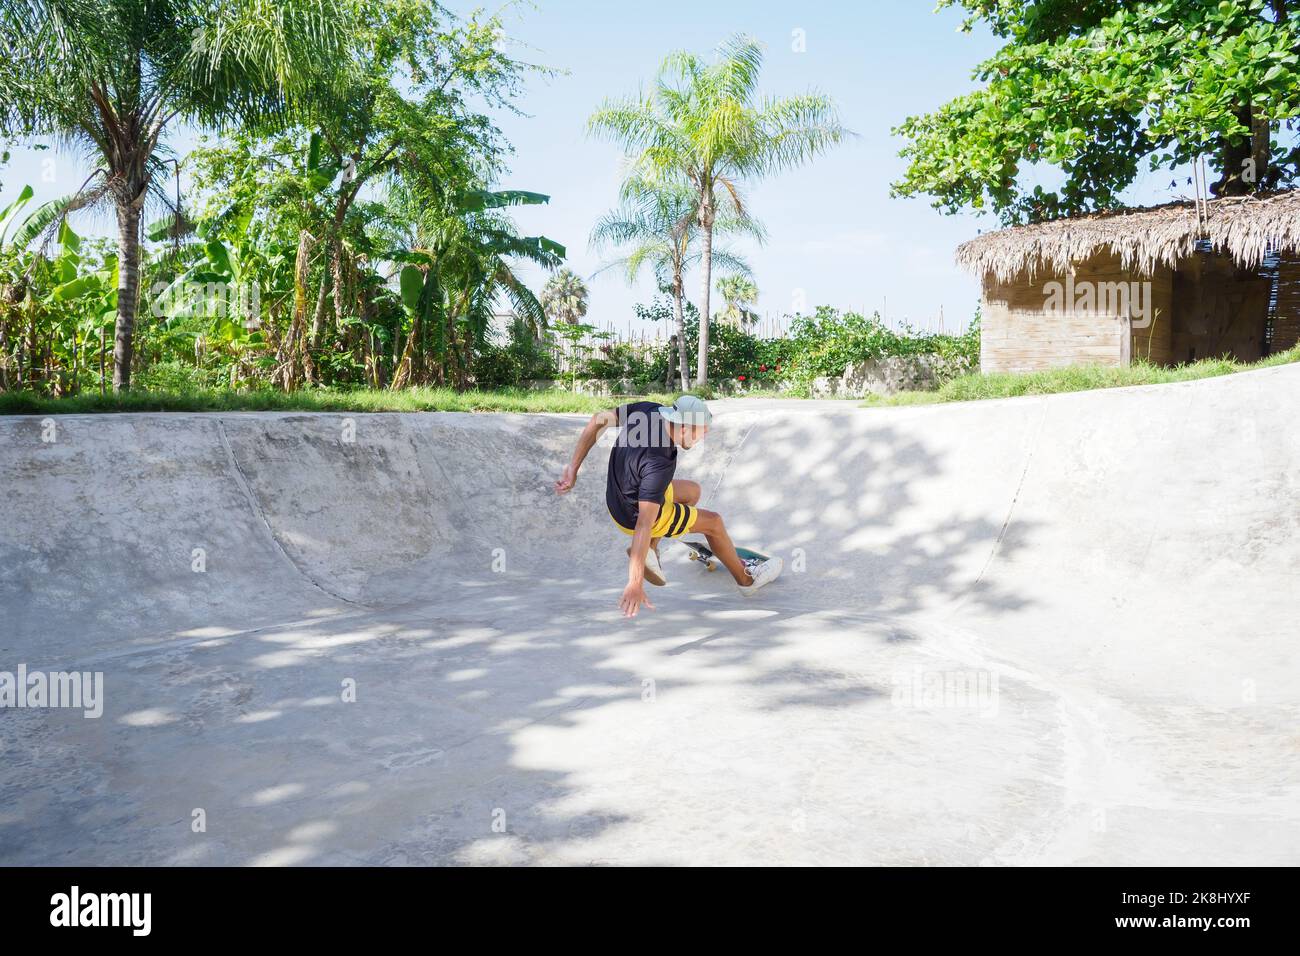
{"x": 1221, "y": 278}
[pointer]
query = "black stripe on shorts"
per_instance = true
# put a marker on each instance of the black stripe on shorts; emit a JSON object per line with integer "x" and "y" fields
{"x": 681, "y": 513}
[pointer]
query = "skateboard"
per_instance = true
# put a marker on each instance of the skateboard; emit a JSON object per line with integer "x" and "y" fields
{"x": 701, "y": 552}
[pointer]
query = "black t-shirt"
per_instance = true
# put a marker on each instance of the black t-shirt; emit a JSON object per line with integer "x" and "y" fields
{"x": 642, "y": 462}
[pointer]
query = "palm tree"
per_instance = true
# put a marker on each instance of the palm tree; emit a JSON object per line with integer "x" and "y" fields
{"x": 657, "y": 226}
{"x": 114, "y": 75}
{"x": 706, "y": 122}
{"x": 739, "y": 293}
{"x": 564, "y": 297}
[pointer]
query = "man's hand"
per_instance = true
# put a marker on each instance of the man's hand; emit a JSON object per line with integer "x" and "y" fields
{"x": 567, "y": 480}
{"x": 632, "y": 599}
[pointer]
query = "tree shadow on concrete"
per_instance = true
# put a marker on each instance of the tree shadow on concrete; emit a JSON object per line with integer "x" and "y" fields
{"x": 517, "y": 718}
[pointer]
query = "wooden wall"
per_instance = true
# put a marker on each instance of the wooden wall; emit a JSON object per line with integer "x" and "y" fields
{"x": 1286, "y": 325}
{"x": 1219, "y": 309}
{"x": 1020, "y": 333}
{"x": 1206, "y": 308}
{"x": 1154, "y": 342}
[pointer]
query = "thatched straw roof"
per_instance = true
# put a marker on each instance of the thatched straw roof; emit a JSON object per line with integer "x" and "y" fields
{"x": 1243, "y": 227}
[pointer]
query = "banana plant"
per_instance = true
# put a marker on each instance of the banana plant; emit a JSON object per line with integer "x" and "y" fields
{"x": 213, "y": 299}
{"x": 459, "y": 261}
{"x": 56, "y": 306}
{"x": 27, "y": 229}
{"x": 76, "y": 297}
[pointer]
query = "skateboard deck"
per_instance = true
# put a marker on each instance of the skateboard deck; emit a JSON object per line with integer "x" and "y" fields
{"x": 701, "y": 552}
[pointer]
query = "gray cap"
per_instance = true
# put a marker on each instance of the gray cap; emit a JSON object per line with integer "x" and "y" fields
{"x": 687, "y": 410}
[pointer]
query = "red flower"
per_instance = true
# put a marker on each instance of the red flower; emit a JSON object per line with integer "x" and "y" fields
{"x": 762, "y": 368}
{"x": 740, "y": 378}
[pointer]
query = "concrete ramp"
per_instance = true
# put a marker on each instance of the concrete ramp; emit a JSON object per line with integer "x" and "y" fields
{"x": 1047, "y": 630}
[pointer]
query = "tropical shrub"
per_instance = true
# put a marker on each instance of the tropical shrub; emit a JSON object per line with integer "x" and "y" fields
{"x": 176, "y": 377}
{"x": 522, "y": 359}
{"x": 623, "y": 361}
{"x": 828, "y": 342}
{"x": 823, "y": 344}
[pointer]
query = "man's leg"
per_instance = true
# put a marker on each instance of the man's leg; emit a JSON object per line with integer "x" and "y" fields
{"x": 709, "y": 524}
{"x": 686, "y": 492}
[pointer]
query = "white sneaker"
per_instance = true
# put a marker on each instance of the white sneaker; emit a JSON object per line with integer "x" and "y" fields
{"x": 763, "y": 572}
{"x": 654, "y": 571}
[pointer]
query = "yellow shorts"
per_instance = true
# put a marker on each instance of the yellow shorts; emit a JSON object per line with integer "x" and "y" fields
{"x": 674, "y": 519}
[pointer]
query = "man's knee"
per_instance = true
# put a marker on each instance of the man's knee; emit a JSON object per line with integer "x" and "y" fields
{"x": 708, "y": 522}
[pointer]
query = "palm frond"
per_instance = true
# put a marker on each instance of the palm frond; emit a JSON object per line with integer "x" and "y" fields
{"x": 740, "y": 60}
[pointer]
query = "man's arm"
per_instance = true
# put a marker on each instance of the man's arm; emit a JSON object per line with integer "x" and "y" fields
{"x": 586, "y": 441}
{"x": 634, "y": 594}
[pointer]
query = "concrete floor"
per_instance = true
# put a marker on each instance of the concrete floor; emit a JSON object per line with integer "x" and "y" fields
{"x": 1044, "y": 630}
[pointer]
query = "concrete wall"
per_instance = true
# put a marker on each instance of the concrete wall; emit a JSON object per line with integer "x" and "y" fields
{"x": 887, "y": 376}
{"x": 1120, "y": 563}
{"x": 303, "y": 513}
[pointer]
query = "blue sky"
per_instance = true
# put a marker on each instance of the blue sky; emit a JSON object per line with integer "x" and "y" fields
{"x": 835, "y": 235}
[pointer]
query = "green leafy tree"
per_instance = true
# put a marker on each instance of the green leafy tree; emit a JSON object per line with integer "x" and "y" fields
{"x": 389, "y": 161}
{"x": 564, "y": 297}
{"x": 404, "y": 121}
{"x": 408, "y": 110}
{"x": 1093, "y": 91}
{"x": 576, "y": 337}
{"x": 705, "y": 121}
{"x": 114, "y": 75}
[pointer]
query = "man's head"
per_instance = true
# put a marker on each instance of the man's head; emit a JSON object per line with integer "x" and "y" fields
{"x": 688, "y": 420}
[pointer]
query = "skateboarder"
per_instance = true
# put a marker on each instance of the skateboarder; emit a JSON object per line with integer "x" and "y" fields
{"x": 648, "y": 503}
